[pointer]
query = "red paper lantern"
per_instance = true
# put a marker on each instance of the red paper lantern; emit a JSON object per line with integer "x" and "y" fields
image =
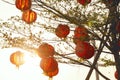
{"x": 84, "y": 50}
{"x": 62, "y": 31}
{"x": 29, "y": 16}
{"x": 84, "y": 2}
{"x": 80, "y": 37}
{"x": 45, "y": 50}
{"x": 80, "y": 30}
{"x": 48, "y": 64}
{"x": 116, "y": 74}
{"x": 52, "y": 73}
{"x": 17, "y": 58}
{"x": 23, "y": 4}
{"x": 80, "y": 34}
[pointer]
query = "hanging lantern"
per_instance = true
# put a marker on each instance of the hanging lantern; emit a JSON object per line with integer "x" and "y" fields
{"x": 29, "y": 16}
{"x": 48, "y": 64}
{"x": 84, "y": 50}
{"x": 23, "y": 4}
{"x": 80, "y": 30}
{"x": 80, "y": 34}
{"x": 17, "y": 58}
{"x": 45, "y": 50}
{"x": 52, "y": 73}
{"x": 62, "y": 31}
{"x": 84, "y": 2}
{"x": 116, "y": 74}
{"x": 80, "y": 37}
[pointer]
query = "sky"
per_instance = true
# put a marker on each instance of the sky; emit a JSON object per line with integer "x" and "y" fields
{"x": 31, "y": 70}
{"x": 8, "y": 10}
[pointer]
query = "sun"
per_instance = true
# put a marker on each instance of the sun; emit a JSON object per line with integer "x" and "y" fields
{"x": 31, "y": 58}
{"x": 30, "y": 70}
{"x": 23, "y": 58}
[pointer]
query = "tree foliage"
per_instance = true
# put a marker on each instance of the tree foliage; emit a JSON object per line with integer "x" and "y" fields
{"x": 100, "y": 18}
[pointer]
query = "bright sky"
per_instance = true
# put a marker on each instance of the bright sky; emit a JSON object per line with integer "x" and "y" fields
{"x": 8, "y": 10}
{"x": 31, "y": 70}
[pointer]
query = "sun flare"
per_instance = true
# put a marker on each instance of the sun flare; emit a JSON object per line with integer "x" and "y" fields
{"x": 31, "y": 58}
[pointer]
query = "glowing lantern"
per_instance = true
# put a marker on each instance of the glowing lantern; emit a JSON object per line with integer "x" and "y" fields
{"x": 29, "y": 16}
{"x": 84, "y": 2}
{"x": 48, "y": 64}
{"x": 45, "y": 50}
{"x": 17, "y": 58}
{"x": 80, "y": 34}
{"x": 84, "y": 50}
{"x": 23, "y": 4}
{"x": 62, "y": 31}
{"x": 52, "y": 73}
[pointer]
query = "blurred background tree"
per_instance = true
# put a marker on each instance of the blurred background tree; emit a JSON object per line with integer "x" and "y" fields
{"x": 99, "y": 17}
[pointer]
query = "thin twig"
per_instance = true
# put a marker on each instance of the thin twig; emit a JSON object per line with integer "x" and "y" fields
{"x": 8, "y": 2}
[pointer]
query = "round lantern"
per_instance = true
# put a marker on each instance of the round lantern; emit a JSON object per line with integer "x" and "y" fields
{"x": 116, "y": 74}
{"x": 29, "y": 16}
{"x": 80, "y": 30}
{"x": 48, "y": 64}
{"x": 17, "y": 58}
{"x": 62, "y": 31}
{"x": 84, "y": 50}
{"x": 23, "y": 4}
{"x": 80, "y": 37}
{"x": 45, "y": 50}
{"x": 52, "y": 73}
{"x": 80, "y": 34}
{"x": 84, "y": 2}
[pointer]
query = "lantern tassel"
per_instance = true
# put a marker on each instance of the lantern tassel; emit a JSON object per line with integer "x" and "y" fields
{"x": 50, "y": 78}
{"x": 17, "y": 66}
